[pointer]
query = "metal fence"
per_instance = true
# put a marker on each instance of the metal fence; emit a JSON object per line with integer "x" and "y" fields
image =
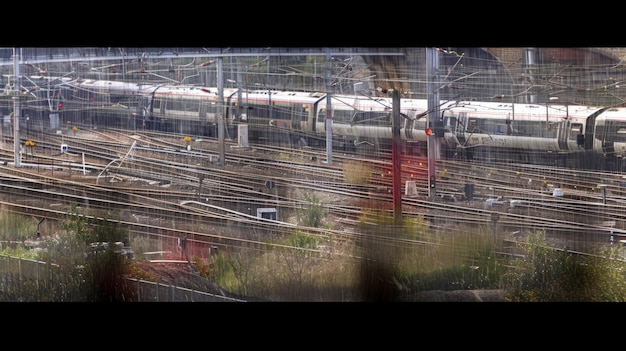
{"x": 17, "y": 270}
{"x": 155, "y": 292}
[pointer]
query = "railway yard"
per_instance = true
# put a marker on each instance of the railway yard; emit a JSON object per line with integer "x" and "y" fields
{"x": 213, "y": 163}
{"x": 168, "y": 187}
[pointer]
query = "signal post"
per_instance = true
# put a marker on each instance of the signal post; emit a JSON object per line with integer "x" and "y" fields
{"x": 434, "y": 129}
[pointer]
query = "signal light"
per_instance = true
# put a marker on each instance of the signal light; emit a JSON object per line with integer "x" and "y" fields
{"x": 428, "y": 131}
{"x": 60, "y": 105}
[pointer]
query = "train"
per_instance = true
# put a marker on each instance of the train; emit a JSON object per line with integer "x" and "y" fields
{"x": 576, "y": 136}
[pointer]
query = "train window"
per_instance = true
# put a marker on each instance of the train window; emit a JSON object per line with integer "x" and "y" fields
{"x": 321, "y": 115}
{"x": 547, "y": 130}
{"x": 620, "y": 134}
{"x": 451, "y": 121}
{"x": 278, "y": 112}
{"x": 184, "y": 105}
{"x": 488, "y": 127}
{"x": 343, "y": 116}
{"x": 213, "y": 108}
{"x": 473, "y": 125}
{"x": 114, "y": 99}
{"x": 372, "y": 118}
{"x": 260, "y": 111}
{"x": 524, "y": 128}
{"x": 532, "y": 129}
{"x": 304, "y": 115}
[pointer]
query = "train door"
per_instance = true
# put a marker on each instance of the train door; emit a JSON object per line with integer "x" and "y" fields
{"x": 573, "y": 135}
{"x": 229, "y": 116}
{"x": 459, "y": 126}
{"x": 298, "y": 115}
{"x": 320, "y": 121}
{"x": 588, "y": 132}
{"x": 202, "y": 112}
{"x": 303, "y": 122}
{"x": 409, "y": 124}
{"x": 562, "y": 135}
{"x": 310, "y": 124}
{"x": 608, "y": 146}
{"x": 144, "y": 112}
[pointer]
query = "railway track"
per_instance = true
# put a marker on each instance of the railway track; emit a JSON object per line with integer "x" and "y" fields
{"x": 159, "y": 178}
{"x": 221, "y": 188}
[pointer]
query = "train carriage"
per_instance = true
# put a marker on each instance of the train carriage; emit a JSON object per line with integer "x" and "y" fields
{"x": 519, "y": 132}
{"x": 271, "y": 113}
{"x": 609, "y": 137}
{"x": 185, "y": 109}
{"x": 567, "y": 135}
{"x": 367, "y": 122}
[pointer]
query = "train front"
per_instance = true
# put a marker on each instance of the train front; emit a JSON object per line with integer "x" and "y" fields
{"x": 609, "y": 138}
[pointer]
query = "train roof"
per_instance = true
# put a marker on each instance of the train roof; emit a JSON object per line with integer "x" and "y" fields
{"x": 283, "y": 96}
{"x": 551, "y": 113}
{"x": 191, "y": 91}
{"x": 576, "y": 110}
{"x": 616, "y": 113}
{"x": 108, "y": 85}
{"x": 365, "y": 103}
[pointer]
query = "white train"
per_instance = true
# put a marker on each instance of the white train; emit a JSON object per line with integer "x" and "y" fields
{"x": 577, "y": 136}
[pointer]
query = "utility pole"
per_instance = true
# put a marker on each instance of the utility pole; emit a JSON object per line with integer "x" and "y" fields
{"x": 396, "y": 157}
{"x": 16, "y": 108}
{"x": 433, "y": 141}
{"x": 221, "y": 110}
{"x": 329, "y": 116}
{"x": 529, "y": 61}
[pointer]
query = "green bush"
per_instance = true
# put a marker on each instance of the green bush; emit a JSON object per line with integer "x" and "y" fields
{"x": 545, "y": 274}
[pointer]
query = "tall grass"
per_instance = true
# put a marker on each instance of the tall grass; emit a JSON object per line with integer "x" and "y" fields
{"x": 16, "y": 228}
{"x": 382, "y": 261}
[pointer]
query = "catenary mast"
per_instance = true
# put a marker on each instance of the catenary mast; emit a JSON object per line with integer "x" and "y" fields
{"x": 433, "y": 141}
{"x": 16, "y": 107}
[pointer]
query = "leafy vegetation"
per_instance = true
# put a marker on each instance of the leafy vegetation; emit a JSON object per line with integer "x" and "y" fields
{"x": 313, "y": 214}
{"x": 306, "y": 266}
{"x": 545, "y": 274}
{"x": 16, "y": 228}
{"x": 79, "y": 274}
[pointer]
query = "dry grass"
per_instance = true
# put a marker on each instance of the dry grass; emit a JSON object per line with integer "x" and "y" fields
{"x": 356, "y": 172}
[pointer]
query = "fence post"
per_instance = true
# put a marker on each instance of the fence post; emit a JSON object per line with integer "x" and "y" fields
{"x": 37, "y": 280}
